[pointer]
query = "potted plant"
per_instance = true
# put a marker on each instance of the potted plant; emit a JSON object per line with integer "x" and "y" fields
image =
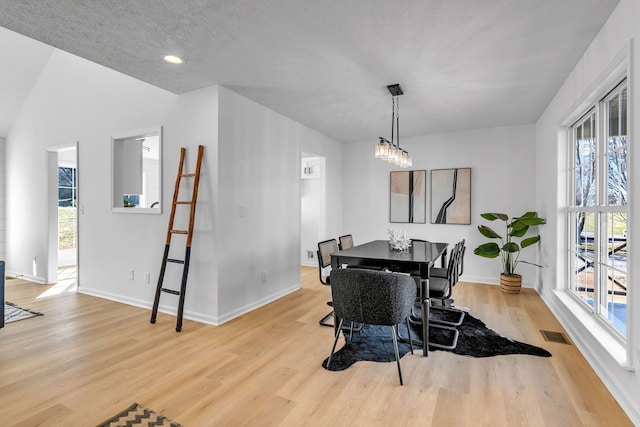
{"x": 516, "y": 228}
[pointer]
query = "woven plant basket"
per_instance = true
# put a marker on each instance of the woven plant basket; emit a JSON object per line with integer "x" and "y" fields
{"x": 510, "y": 283}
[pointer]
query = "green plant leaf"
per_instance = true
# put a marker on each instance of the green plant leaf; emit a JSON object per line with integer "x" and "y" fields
{"x": 493, "y": 216}
{"x": 516, "y": 224}
{"x": 487, "y": 250}
{"x": 531, "y": 220}
{"x": 519, "y": 232}
{"x": 488, "y": 232}
{"x": 511, "y": 247}
{"x": 529, "y": 241}
{"x": 530, "y": 214}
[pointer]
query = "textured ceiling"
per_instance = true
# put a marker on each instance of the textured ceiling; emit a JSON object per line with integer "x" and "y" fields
{"x": 463, "y": 64}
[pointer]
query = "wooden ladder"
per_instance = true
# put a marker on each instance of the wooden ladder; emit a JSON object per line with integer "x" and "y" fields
{"x": 171, "y": 231}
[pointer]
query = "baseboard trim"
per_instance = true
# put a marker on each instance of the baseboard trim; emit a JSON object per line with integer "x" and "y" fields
{"x": 257, "y": 304}
{"x": 188, "y": 314}
{"x": 27, "y": 277}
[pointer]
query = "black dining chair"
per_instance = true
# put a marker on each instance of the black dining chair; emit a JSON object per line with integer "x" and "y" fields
{"x": 441, "y": 288}
{"x": 325, "y": 249}
{"x": 442, "y": 272}
{"x": 373, "y": 298}
{"x": 345, "y": 242}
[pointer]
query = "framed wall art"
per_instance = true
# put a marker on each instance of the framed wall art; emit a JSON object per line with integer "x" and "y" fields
{"x": 407, "y": 202}
{"x": 451, "y": 196}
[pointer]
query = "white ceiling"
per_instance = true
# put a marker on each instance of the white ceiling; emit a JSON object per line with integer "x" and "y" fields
{"x": 21, "y": 64}
{"x": 463, "y": 64}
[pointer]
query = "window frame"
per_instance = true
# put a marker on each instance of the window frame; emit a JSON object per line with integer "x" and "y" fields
{"x": 600, "y": 210}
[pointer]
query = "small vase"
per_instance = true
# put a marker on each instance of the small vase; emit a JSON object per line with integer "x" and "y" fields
{"x": 510, "y": 283}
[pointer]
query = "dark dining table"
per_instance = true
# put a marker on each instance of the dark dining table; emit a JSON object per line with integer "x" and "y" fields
{"x": 419, "y": 258}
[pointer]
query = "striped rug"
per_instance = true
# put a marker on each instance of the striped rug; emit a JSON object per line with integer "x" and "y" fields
{"x": 138, "y": 415}
{"x": 13, "y": 313}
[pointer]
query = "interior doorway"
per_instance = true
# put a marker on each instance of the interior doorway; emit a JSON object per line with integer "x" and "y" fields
{"x": 62, "y": 173}
{"x": 312, "y": 206}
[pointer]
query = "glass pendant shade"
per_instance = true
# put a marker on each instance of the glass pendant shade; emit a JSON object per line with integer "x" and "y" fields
{"x": 390, "y": 150}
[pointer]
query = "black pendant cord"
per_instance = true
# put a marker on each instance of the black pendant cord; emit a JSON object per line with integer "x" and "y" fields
{"x": 398, "y": 120}
{"x": 393, "y": 117}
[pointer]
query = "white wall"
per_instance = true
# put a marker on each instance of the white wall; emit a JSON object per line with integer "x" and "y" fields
{"x": 255, "y": 166}
{"x": 259, "y": 202}
{"x": 617, "y": 39}
{"x": 2, "y": 199}
{"x": 502, "y": 162}
{"x": 76, "y": 100}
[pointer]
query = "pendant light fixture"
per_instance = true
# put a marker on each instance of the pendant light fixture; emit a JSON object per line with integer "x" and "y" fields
{"x": 390, "y": 150}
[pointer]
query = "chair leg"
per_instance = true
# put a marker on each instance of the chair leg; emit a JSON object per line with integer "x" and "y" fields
{"x": 409, "y": 335}
{"x": 335, "y": 342}
{"x": 395, "y": 347}
{"x": 325, "y": 320}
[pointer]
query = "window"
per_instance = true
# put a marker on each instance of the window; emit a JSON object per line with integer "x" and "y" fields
{"x": 67, "y": 187}
{"x": 67, "y": 202}
{"x": 598, "y": 209}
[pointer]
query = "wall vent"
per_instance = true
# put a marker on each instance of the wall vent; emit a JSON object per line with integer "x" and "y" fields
{"x": 557, "y": 337}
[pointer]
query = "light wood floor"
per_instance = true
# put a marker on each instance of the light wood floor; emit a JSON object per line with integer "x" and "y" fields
{"x": 89, "y": 358}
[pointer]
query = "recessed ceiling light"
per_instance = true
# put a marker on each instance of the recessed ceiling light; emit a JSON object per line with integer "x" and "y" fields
{"x": 171, "y": 59}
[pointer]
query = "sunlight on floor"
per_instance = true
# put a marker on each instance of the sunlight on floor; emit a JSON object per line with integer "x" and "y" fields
{"x": 66, "y": 283}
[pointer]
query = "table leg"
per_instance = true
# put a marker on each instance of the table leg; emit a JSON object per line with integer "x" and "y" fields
{"x": 424, "y": 303}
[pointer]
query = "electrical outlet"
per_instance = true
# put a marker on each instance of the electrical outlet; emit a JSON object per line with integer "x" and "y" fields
{"x": 310, "y": 254}
{"x": 147, "y": 278}
{"x": 264, "y": 275}
{"x": 131, "y": 275}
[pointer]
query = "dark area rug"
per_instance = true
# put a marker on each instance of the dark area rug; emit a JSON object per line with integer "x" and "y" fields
{"x": 13, "y": 313}
{"x": 138, "y": 415}
{"x": 374, "y": 343}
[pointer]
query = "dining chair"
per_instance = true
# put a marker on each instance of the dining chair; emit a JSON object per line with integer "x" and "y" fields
{"x": 442, "y": 272}
{"x": 325, "y": 249}
{"x": 441, "y": 288}
{"x": 373, "y": 298}
{"x": 345, "y": 242}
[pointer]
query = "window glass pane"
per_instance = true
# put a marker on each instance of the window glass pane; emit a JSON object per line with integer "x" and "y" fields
{"x": 66, "y": 177}
{"x": 614, "y": 306}
{"x": 614, "y": 296}
{"x": 586, "y": 151}
{"x": 65, "y": 197}
{"x": 617, "y": 177}
{"x": 614, "y": 116}
{"x": 587, "y": 128}
{"x": 623, "y": 112}
{"x": 583, "y": 258}
{"x": 589, "y": 185}
{"x": 617, "y": 143}
{"x": 578, "y": 187}
{"x": 583, "y": 278}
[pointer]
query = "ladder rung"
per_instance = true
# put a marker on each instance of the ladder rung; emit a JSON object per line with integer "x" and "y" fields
{"x": 188, "y": 175}
{"x": 184, "y": 202}
{"x": 177, "y": 261}
{"x": 170, "y": 291}
{"x": 179, "y": 231}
